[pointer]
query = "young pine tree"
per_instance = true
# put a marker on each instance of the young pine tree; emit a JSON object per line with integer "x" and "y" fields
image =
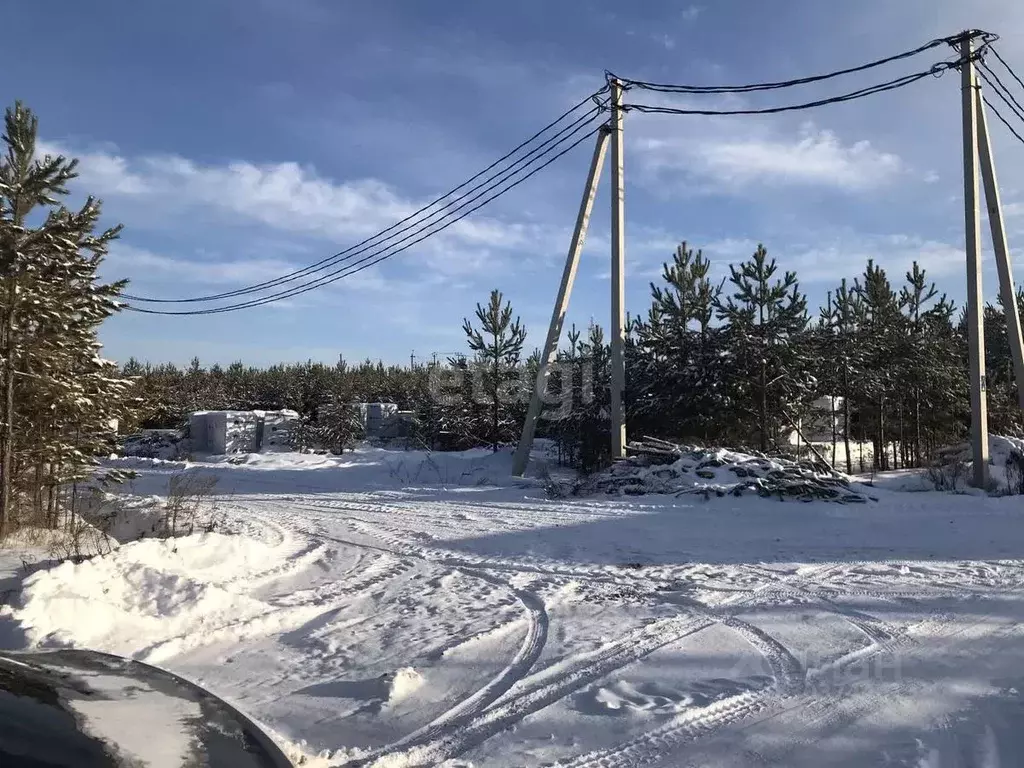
{"x": 498, "y": 344}
{"x": 677, "y": 351}
{"x": 768, "y": 370}
{"x": 841, "y": 359}
{"x": 882, "y": 333}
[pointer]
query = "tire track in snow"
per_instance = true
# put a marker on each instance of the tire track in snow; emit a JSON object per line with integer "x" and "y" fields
{"x": 688, "y": 727}
{"x": 531, "y": 694}
{"x": 831, "y": 714}
{"x": 338, "y": 591}
{"x": 477, "y": 721}
{"x": 465, "y": 711}
{"x": 516, "y": 705}
{"x": 789, "y": 673}
{"x": 302, "y": 555}
{"x": 509, "y": 705}
{"x": 474, "y": 705}
{"x": 877, "y": 630}
{"x": 691, "y": 726}
{"x": 397, "y": 540}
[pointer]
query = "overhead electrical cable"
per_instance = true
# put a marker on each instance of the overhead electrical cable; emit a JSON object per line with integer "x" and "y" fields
{"x": 1002, "y": 119}
{"x": 388, "y": 252}
{"x": 770, "y": 86}
{"x": 1008, "y": 67}
{"x": 860, "y": 93}
{"x": 505, "y": 173}
{"x": 1004, "y": 93}
{"x": 376, "y": 239}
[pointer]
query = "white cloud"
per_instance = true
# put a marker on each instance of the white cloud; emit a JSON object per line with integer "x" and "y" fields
{"x": 729, "y": 249}
{"x": 125, "y": 258}
{"x": 814, "y": 156}
{"x": 106, "y": 173}
{"x": 829, "y": 256}
{"x": 293, "y": 199}
{"x": 691, "y": 12}
{"x": 846, "y": 256}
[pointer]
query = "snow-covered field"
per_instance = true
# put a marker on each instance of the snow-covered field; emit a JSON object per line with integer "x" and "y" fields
{"x": 396, "y": 609}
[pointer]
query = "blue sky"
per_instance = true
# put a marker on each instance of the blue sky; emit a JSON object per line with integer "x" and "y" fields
{"x": 240, "y": 140}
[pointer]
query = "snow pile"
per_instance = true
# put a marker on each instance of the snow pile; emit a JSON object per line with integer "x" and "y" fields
{"x": 76, "y": 540}
{"x": 952, "y": 469}
{"x": 374, "y": 467}
{"x": 403, "y": 682}
{"x": 157, "y": 595}
{"x": 123, "y": 517}
{"x": 165, "y": 444}
{"x": 660, "y": 467}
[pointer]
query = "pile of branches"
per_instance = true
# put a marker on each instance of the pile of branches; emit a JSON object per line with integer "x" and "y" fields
{"x": 156, "y": 444}
{"x": 660, "y": 467}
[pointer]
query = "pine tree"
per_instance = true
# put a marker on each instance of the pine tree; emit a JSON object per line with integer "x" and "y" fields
{"x": 59, "y": 395}
{"x": 881, "y": 335}
{"x": 842, "y": 361}
{"x": 923, "y": 362}
{"x": 498, "y": 344}
{"x": 767, "y": 368}
{"x": 675, "y": 351}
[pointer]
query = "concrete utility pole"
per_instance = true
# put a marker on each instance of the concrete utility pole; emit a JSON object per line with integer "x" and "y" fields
{"x": 618, "y": 325}
{"x": 572, "y": 260}
{"x": 1007, "y": 291}
{"x": 972, "y": 232}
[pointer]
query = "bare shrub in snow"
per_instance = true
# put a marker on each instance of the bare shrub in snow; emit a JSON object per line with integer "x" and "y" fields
{"x": 1015, "y": 473}
{"x": 952, "y": 469}
{"x": 949, "y": 475}
{"x": 79, "y": 540}
{"x": 436, "y": 471}
{"x": 189, "y": 506}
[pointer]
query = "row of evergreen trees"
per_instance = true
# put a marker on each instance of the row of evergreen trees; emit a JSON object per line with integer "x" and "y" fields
{"x": 740, "y": 362}
{"x": 58, "y": 396}
{"x": 737, "y": 362}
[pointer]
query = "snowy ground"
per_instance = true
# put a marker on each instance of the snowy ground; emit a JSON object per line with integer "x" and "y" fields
{"x": 396, "y": 610}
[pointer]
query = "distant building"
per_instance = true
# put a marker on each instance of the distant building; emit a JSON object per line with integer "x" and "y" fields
{"x": 220, "y": 432}
{"x": 825, "y": 414}
{"x": 376, "y": 418}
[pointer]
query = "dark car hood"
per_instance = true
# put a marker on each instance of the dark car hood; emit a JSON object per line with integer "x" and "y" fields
{"x": 83, "y": 709}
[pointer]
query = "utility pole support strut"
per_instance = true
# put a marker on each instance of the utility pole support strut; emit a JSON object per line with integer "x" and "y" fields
{"x": 572, "y": 260}
{"x": 994, "y": 207}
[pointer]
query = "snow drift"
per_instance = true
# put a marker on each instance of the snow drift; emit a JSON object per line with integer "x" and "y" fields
{"x": 160, "y": 596}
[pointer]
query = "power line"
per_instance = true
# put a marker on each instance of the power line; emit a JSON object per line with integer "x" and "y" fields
{"x": 900, "y": 82}
{"x": 368, "y": 242}
{"x": 1008, "y": 67}
{"x": 417, "y": 228}
{"x": 1002, "y": 119}
{"x": 351, "y": 269}
{"x": 769, "y": 86}
{"x": 1006, "y": 95}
